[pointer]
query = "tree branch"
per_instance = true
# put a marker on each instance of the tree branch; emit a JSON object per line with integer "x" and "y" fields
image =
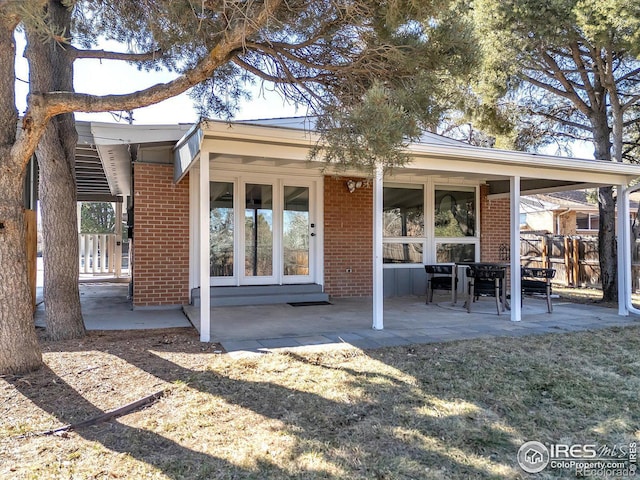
{"x": 556, "y": 91}
{"x": 629, "y": 75}
{"x": 564, "y": 121}
{"x": 630, "y": 102}
{"x": 289, "y": 77}
{"x": 43, "y": 106}
{"x": 569, "y": 92}
{"x": 78, "y": 53}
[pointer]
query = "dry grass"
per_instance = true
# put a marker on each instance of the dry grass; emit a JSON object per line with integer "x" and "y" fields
{"x": 589, "y": 295}
{"x": 456, "y": 410}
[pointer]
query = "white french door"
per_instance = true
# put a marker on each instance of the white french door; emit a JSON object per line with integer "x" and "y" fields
{"x": 263, "y": 232}
{"x": 299, "y": 234}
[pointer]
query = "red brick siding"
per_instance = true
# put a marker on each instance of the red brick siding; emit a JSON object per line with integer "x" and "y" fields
{"x": 494, "y": 226}
{"x": 348, "y": 239}
{"x": 160, "y": 237}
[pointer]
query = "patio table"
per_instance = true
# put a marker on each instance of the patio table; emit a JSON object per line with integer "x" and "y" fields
{"x": 502, "y": 282}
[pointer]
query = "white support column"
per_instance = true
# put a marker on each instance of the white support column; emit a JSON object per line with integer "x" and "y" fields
{"x": 378, "y": 302}
{"x": 80, "y": 239}
{"x": 516, "y": 292}
{"x": 624, "y": 251}
{"x": 205, "y": 287}
{"x": 117, "y": 267}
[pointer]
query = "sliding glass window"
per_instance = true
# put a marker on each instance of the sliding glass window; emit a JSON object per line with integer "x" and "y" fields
{"x": 403, "y": 224}
{"x": 455, "y": 224}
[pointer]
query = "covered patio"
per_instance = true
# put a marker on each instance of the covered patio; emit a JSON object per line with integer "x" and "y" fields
{"x": 347, "y": 322}
{"x": 497, "y": 177}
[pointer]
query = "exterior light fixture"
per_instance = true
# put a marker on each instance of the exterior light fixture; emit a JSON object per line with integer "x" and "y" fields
{"x": 352, "y": 185}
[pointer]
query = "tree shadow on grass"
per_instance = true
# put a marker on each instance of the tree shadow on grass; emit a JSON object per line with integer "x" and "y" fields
{"x": 174, "y": 460}
{"x": 382, "y": 427}
{"x": 380, "y": 434}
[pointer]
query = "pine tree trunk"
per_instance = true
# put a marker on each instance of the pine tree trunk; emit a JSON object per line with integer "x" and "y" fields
{"x": 607, "y": 246}
{"x": 63, "y": 315}
{"x": 51, "y": 69}
{"x": 19, "y": 349}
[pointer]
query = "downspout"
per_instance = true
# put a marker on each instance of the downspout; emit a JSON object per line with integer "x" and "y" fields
{"x": 625, "y": 242}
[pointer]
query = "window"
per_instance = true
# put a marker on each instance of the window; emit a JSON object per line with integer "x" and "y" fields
{"x": 403, "y": 212}
{"x": 403, "y": 224}
{"x": 587, "y": 221}
{"x": 455, "y": 252}
{"x": 258, "y": 230}
{"x": 455, "y": 213}
{"x": 455, "y": 226}
{"x": 221, "y": 229}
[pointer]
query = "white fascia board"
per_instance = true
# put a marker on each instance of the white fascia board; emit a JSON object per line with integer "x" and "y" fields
{"x": 186, "y": 152}
{"x": 486, "y": 160}
{"x": 258, "y": 133}
{"x": 542, "y": 191}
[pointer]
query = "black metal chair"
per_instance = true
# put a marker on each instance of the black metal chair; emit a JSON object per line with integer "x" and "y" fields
{"x": 486, "y": 280}
{"x": 441, "y": 277}
{"x": 537, "y": 281}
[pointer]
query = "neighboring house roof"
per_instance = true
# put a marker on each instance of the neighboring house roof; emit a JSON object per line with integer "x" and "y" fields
{"x": 576, "y": 200}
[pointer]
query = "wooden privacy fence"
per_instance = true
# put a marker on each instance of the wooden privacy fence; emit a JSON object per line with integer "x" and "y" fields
{"x": 575, "y": 258}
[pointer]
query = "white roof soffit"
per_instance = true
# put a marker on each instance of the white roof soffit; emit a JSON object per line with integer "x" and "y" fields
{"x": 113, "y": 142}
{"x": 252, "y": 140}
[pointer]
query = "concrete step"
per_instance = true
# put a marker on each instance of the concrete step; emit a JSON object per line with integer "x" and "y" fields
{"x": 262, "y": 295}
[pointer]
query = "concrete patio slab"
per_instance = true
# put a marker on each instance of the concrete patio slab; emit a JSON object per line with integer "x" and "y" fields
{"x": 407, "y": 321}
{"x": 346, "y": 323}
{"x": 106, "y": 306}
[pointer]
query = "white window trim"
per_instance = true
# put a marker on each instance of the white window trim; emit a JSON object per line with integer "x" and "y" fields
{"x": 429, "y": 240}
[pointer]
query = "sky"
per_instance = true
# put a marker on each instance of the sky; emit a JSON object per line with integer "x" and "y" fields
{"x": 102, "y": 77}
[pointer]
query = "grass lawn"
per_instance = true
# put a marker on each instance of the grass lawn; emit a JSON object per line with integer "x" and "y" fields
{"x": 439, "y": 411}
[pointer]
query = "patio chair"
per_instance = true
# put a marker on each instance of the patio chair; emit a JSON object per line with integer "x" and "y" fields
{"x": 486, "y": 280}
{"x": 537, "y": 281}
{"x": 441, "y": 277}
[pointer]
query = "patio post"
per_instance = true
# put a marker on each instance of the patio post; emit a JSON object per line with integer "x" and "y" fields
{"x": 516, "y": 293}
{"x": 118, "y": 243}
{"x": 624, "y": 251}
{"x": 205, "y": 288}
{"x": 378, "y": 305}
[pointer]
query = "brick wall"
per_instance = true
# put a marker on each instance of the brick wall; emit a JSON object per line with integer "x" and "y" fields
{"x": 348, "y": 239}
{"x": 160, "y": 237}
{"x": 494, "y": 226}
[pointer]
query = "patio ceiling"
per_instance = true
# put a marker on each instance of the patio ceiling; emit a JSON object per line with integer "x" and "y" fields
{"x": 92, "y": 165}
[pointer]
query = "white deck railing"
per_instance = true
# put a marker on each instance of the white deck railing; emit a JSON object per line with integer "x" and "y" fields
{"x": 99, "y": 254}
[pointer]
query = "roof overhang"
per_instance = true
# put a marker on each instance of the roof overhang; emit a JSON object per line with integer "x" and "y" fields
{"x": 105, "y": 152}
{"x": 538, "y": 173}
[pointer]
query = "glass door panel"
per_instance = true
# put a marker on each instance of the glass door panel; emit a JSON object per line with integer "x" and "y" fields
{"x": 221, "y": 229}
{"x": 258, "y": 260}
{"x": 296, "y": 231}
